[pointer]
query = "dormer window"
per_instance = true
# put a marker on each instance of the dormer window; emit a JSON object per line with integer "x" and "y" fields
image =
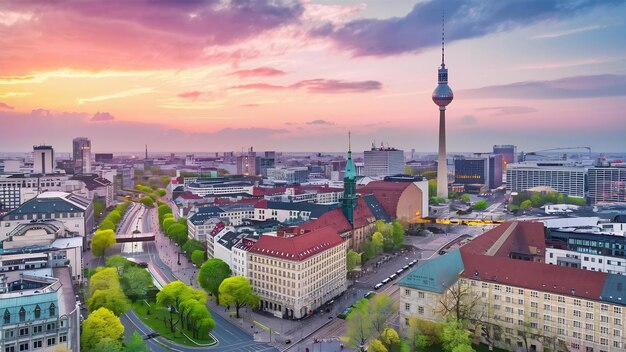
{"x": 7, "y": 316}
{"x": 52, "y": 309}
{"x": 37, "y": 312}
{"x": 22, "y": 314}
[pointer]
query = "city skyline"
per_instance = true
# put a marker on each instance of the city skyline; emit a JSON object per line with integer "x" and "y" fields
{"x": 537, "y": 74}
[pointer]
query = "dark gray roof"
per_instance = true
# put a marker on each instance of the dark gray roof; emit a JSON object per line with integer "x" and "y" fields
{"x": 230, "y": 239}
{"x": 316, "y": 210}
{"x": 376, "y": 208}
{"x": 40, "y": 205}
{"x": 204, "y": 214}
{"x": 92, "y": 181}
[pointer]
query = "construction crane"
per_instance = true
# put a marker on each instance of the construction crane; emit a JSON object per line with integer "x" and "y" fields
{"x": 536, "y": 153}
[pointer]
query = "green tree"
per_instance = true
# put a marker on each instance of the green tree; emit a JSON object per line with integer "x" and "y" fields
{"x": 170, "y": 297}
{"x": 352, "y": 260}
{"x": 480, "y": 205}
{"x": 161, "y": 192}
{"x": 527, "y": 204}
{"x": 136, "y": 283}
{"x": 369, "y": 249}
{"x": 103, "y": 279}
{"x": 98, "y": 207}
{"x": 377, "y": 240}
{"x": 102, "y": 240}
{"x": 112, "y": 299}
{"x": 167, "y": 222}
{"x": 424, "y": 332}
{"x": 432, "y": 187}
{"x": 390, "y": 338}
{"x": 397, "y": 234}
{"x": 197, "y": 257}
{"x": 106, "y": 224}
{"x": 100, "y": 324}
{"x": 454, "y": 335}
{"x": 107, "y": 345}
{"x": 359, "y": 327}
{"x": 136, "y": 344}
{"x": 376, "y": 346}
{"x": 115, "y": 217}
{"x": 465, "y": 198}
{"x": 237, "y": 290}
{"x": 380, "y": 308}
{"x": 211, "y": 275}
{"x": 147, "y": 201}
{"x": 118, "y": 262}
{"x": 193, "y": 245}
{"x": 436, "y": 200}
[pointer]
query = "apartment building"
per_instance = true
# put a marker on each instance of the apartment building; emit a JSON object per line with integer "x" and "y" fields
{"x": 530, "y": 304}
{"x": 296, "y": 275}
{"x": 607, "y": 184}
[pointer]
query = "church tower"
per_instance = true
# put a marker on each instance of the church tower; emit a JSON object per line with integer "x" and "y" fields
{"x": 349, "y": 187}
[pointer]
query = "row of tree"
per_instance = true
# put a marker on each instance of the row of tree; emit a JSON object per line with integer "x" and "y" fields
{"x": 369, "y": 318}
{"x": 187, "y": 307}
{"x": 113, "y": 219}
{"x": 387, "y": 238}
{"x": 104, "y": 237}
{"x": 528, "y": 200}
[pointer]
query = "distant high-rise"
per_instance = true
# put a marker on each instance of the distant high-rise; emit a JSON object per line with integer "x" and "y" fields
{"x": 508, "y": 152}
{"x": 43, "y": 159}
{"x": 81, "y": 148}
{"x": 246, "y": 163}
{"x": 383, "y": 161}
{"x": 481, "y": 170}
{"x": 442, "y": 96}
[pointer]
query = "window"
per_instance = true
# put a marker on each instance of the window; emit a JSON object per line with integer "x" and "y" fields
{"x": 407, "y": 306}
{"x": 547, "y": 307}
{"x": 561, "y": 320}
{"x": 407, "y": 292}
{"x": 546, "y": 296}
{"x": 604, "y": 307}
{"x": 589, "y": 326}
{"x": 604, "y": 319}
{"x": 420, "y": 310}
{"x": 561, "y": 299}
{"x": 577, "y": 313}
{"x": 577, "y": 302}
{"x": 534, "y": 304}
{"x": 37, "y": 312}
{"x": 22, "y": 314}
{"x": 52, "y": 341}
{"x": 7, "y": 316}
{"x": 520, "y": 301}
{"x": 37, "y": 344}
{"x": 534, "y": 294}
{"x": 420, "y": 294}
{"x": 617, "y": 321}
{"x": 617, "y": 310}
{"x": 561, "y": 310}
{"x": 604, "y": 330}
{"x": 52, "y": 309}
{"x": 604, "y": 341}
{"x": 576, "y": 323}
{"x": 617, "y": 332}
{"x": 589, "y": 304}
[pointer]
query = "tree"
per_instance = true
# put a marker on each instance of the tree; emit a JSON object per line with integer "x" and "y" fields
{"x": 107, "y": 344}
{"x": 376, "y": 346}
{"x": 100, "y": 324}
{"x": 136, "y": 344}
{"x": 369, "y": 249}
{"x": 352, "y": 260}
{"x": 380, "y": 308}
{"x": 454, "y": 335}
{"x": 480, "y": 205}
{"x": 527, "y": 204}
{"x": 136, "y": 283}
{"x": 432, "y": 187}
{"x": 397, "y": 233}
{"x": 104, "y": 279}
{"x": 147, "y": 201}
{"x": 106, "y": 224}
{"x": 102, "y": 240}
{"x": 169, "y": 297}
{"x": 211, "y": 275}
{"x": 114, "y": 216}
{"x": 377, "y": 239}
{"x": 98, "y": 207}
{"x": 465, "y": 198}
{"x": 359, "y": 325}
{"x": 424, "y": 332}
{"x": 460, "y": 303}
{"x": 390, "y": 338}
{"x": 112, "y": 299}
{"x": 238, "y": 291}
{"x": 197, "y": 257}
{"x": 167, "y": 222}
{"x": 118, "y": 262}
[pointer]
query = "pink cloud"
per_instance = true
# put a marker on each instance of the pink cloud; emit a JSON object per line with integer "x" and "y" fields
{"x": 194, "y": 95}
{"x": 4, "y": 106}
{"x": 257, "y": 72}
{"x": 319, "y": 85}
{"x": 132, "y": 34}
{"x": 102, "y": 116}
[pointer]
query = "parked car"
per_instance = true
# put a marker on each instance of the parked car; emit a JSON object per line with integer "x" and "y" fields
{"x": 393, "y": 276}
{"x": 369, "y": 294}
{"x": 399, "y": 271}
{"x": 378, "y": 285}
{"x": 386, "y": 280}
{"x": 405, "y": 267}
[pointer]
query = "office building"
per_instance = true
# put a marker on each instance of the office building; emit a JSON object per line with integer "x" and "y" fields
{"x": 290, "y": 175}
{"x": 246, "y": 163}
{"x": 569, "y": 180}
{"x": 483, "y": 170}
{"x": 18, "y": 188}
{"x": 508, "y": 152}
{"x": 607, "y": 184}
{"x": 526, "y": 303}
{"x": 383, "y": 161}
{"x": 43, "y": 159}
{"x": 267, "y": 161}
{"x": 105, "y": 158}
{"x": 81, "y": 152}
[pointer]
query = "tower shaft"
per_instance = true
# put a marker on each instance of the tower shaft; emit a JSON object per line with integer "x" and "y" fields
{"x": 442, "y": 165}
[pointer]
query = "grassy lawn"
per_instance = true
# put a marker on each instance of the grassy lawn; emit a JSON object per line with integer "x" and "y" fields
{"x": 155, "y": 321}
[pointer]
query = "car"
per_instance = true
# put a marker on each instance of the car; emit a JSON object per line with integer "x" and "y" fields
{"x": 378, "y": 285}
{"x": 386, "y": 280}
{"x": 393, "y": 276}
{"x": 369, "y": 294}
{"x": 405, "y": 267}
{"x": 344, "y": 313}
{"x": 399, "y": 271}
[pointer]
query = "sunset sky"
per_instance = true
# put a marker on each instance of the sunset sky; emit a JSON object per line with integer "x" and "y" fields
{"x": 220, "y": 75}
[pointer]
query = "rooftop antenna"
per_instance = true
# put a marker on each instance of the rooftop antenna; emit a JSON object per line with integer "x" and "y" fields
{"x": 443, "y": 28}
{"x": 349, "y": 141}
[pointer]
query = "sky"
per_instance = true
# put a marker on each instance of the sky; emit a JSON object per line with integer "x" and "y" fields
{"x": 297, "y": 75}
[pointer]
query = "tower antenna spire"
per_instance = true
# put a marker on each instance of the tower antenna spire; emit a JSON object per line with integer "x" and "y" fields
{"x": 349, "y": 141}
{"x": 443, "y": 31}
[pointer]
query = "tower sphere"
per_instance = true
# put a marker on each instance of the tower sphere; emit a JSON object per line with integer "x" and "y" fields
{"x": 442, "y": 96}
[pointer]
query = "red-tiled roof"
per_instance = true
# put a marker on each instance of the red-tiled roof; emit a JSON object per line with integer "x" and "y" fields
{"x": 297, "y": 248}
{"x": 225, "y": 201}
{"x": 387, "y": 193}
{"x": 535, "y": 276}
{"x": 189, "y": 196}
{"x": 526, "y": 237}
{"x": 333, "y": 218}
{"x": 363, "y": 215}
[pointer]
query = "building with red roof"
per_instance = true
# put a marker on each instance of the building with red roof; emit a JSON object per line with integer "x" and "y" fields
{"x": 530, "y": 303}
{"x": 296, "y": 275}
{"x": 401, "y": 199}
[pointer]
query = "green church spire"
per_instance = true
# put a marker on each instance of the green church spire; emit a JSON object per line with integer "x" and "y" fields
{"x": 349, "y": 186}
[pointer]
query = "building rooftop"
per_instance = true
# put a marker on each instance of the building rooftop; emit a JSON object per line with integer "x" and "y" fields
{"x": 51, "y": 202}
{"x": 297, "y": 248}
{"x": 435, "y": 275}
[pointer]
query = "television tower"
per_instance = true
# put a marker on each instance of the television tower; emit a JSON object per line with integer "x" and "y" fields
{"x": 442, "y": 96}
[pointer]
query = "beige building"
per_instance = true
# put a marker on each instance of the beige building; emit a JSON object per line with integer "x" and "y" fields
{"x": 296, "y": 275}
{"x": 530, "y": 305}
